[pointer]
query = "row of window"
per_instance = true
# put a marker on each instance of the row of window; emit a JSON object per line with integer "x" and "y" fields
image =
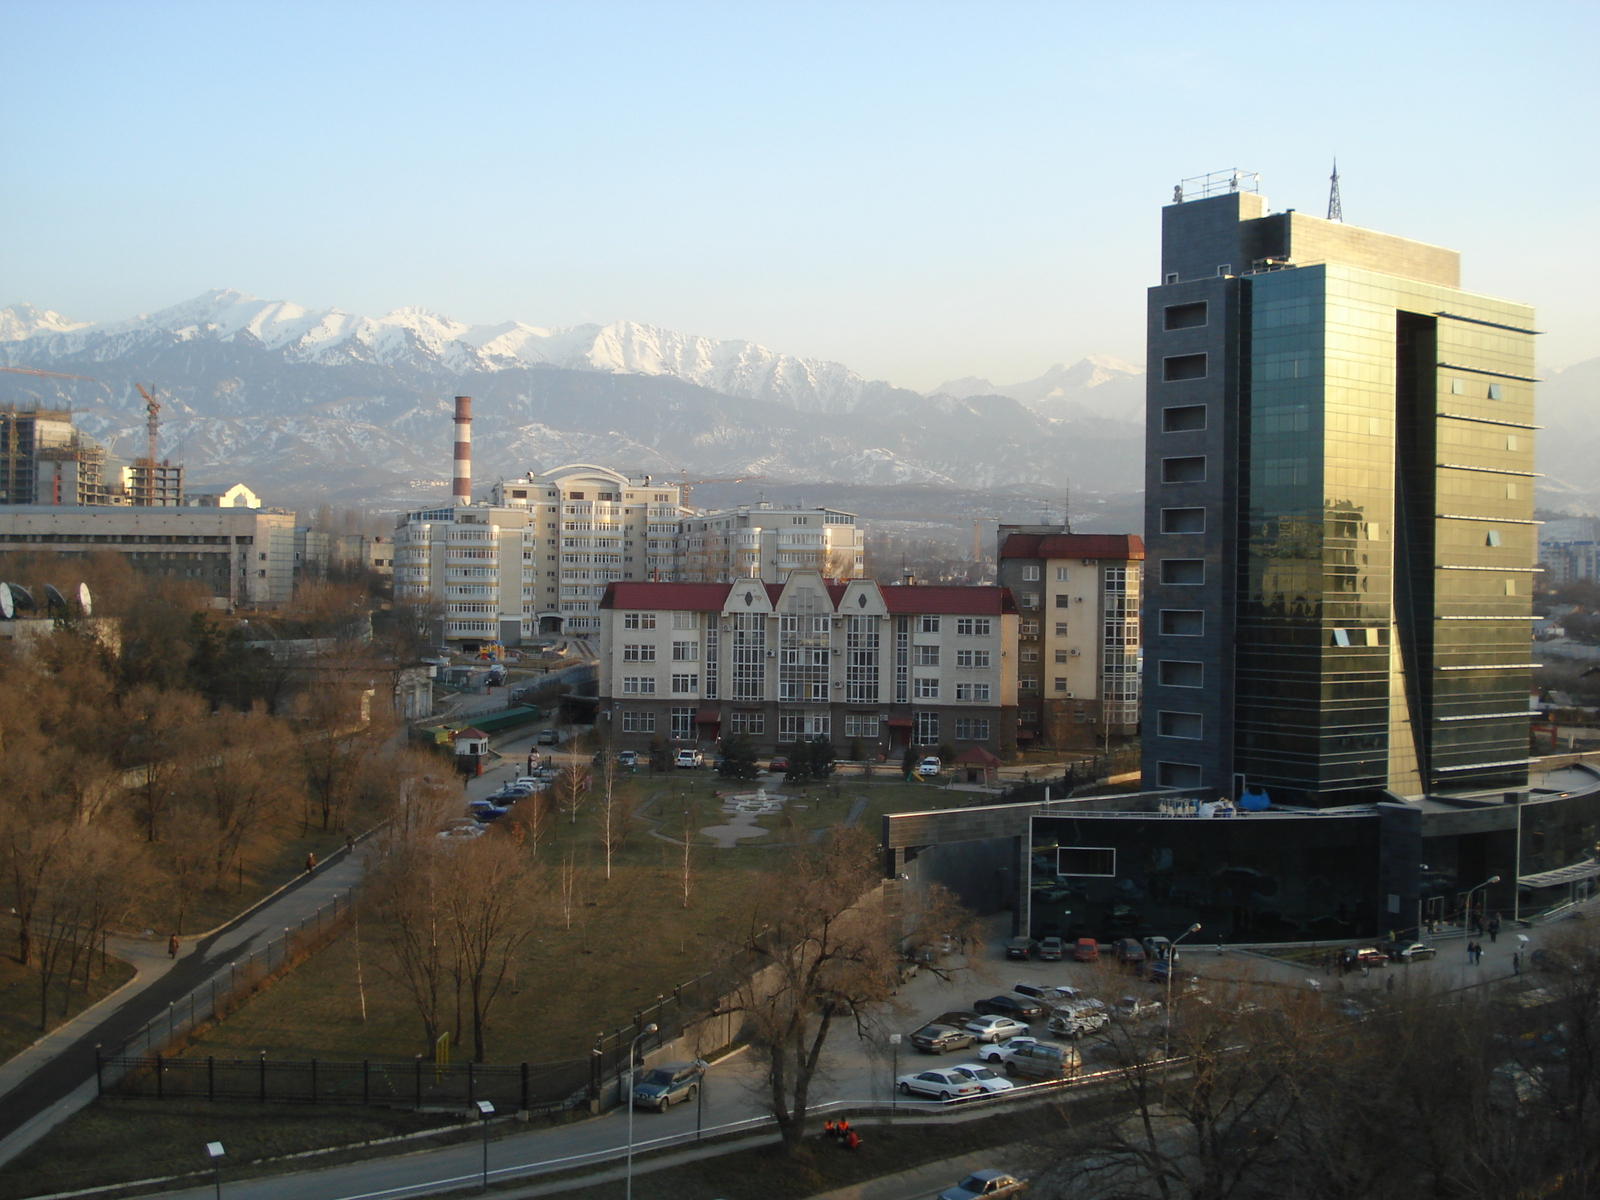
{"x": 1030, "y": 574}
{"x": 794, "y": 727}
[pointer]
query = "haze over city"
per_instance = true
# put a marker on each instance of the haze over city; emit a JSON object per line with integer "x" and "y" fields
{"x": 921, "y": 192}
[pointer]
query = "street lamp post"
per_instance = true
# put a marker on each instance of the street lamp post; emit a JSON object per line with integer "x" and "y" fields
{"x": 215, "y": 1150}
{"x": 485, "y": 1111}
{"x": 1466, "y": 916}
{"x": 633, "y": 1047}
{"x": 1172, "y": 967}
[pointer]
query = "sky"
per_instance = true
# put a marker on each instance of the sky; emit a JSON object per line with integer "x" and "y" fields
{"x": 920, "y": 191}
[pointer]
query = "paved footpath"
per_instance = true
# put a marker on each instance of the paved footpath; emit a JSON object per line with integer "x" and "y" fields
{"x": 55, "y": 1077}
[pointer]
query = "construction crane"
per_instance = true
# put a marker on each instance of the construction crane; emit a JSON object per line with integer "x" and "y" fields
{"x": 686, "y": 484}
{"x": 46, "y": 374}
{"x": 152, "y": 426}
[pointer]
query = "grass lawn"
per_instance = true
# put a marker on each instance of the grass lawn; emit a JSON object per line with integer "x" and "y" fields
{"x": 268, "y": 869}
{"x": 19, "y": 1001}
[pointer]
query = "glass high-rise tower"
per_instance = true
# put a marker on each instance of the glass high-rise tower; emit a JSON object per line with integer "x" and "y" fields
{"x": 1339, "y": 511}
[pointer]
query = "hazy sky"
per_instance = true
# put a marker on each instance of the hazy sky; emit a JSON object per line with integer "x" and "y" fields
{"x": 922, "y": 191}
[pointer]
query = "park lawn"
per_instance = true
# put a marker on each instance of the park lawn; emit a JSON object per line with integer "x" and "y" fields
{"x": 19, "y": 1000}
{"x": 265, "y": 871}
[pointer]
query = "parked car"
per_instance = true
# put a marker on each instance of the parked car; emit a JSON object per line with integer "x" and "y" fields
{"x": 461, "y": 829}
{"x": 483, "y": 810}
{"x": 1041, "y": 992}
{"x": 670, "y": 1083}
{"x": 1404, "y": 952}
{"x": 1078, "y": 1018}
{"x": 691, "y": 758}
{"x": 1019, "y": 1007}
{"x": 999, "y": 1052}
{"x": 1158, "y": 972}
{"x": 929, "y": 766}
{"x": 1129, "y": 952}
{"x": 532, "y": 782}
{"x": 984, "y": 1184}
{"x": 1158, "y": 948}
{"x": 1021, "y": 947}
{"x": 951, "y": 1084}
{"x": 627, "y": 758}
{"x": 1052, "y": 949}
{"x": 549, "y": 737}
{"x": 1362, "y": 956}
{"x": 941, "y": 1039}
{"x": 777, "y": 764}
{"x": 1136, "y": 1008}
{"x": 985, "y": 1077}
{"x": 996, "y": 1029}
{"x": 1044, "y": 1061}
{"x": 1086, "y": 950}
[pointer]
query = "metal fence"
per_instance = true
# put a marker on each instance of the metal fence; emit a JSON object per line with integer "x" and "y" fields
{"x": 671, "y": 1014}
{"x": 220, "y": 993}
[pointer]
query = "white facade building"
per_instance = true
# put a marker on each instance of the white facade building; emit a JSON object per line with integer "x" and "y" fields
{"x": 767, "y": 542}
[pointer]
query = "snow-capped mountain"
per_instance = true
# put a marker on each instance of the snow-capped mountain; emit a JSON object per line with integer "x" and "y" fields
{"x": 326, "y": 405}
{"x": 1098, "y": 385}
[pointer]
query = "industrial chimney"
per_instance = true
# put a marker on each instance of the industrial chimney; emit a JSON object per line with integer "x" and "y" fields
{"x": 463, "y": 484}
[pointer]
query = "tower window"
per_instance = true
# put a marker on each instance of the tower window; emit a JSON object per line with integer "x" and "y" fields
{"x": 1183, "y": 366}
{"x": 1189, "y": 469}
{"x": 1179, "y": 673}
{"x": 1183, "y": 572}
{"x": 1183, "y": 418}
{"x": 1180, "y": 725}
{"x": 1183, "y": 520}
{"x": 1185, "y": 316}
{"x": 1183, "y": 622}
{"x": 1494, "y": 391}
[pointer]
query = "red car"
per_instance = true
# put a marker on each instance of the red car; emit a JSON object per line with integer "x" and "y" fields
{"x": 1086, "y": 950}
{"x": 778, "y": 764}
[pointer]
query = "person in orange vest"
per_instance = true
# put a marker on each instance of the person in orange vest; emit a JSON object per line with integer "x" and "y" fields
{"x": 827, "y": 1126}
{"x": 842, "y": 1128}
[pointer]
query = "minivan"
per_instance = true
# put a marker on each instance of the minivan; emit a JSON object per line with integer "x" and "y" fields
{"x": 1044, "y": 1061}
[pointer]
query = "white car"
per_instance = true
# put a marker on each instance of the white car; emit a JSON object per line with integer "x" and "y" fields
{"x": 528, "y": 781}
{"x": 995, "y": 1029}
{"x": 985, "y": 1076}
{"x": 464, "y": 832}
{"x": 944, "y": 1084}
{"x": 691, "y": 758}
{"x": 929, "y": 766}
{"x": 1001, "y": 1051}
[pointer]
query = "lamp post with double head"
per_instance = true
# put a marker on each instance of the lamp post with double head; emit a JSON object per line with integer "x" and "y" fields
{"x": 1172, "y": 969}
{"x": 1466, "y": 915}
{"x": 633, "y": 1048}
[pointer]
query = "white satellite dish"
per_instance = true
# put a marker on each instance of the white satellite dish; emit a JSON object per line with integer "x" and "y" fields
{"x": 7, "y": 609}
{"x": 85, "y": 601}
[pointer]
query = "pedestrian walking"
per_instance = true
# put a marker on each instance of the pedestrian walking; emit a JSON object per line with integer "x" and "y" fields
{"x": 1516, "y": 962}
{"x": 172, "y": 946}
{"x": 1494, "y": 929}
{"x": 349, "y": 844}
{"x": 311, "y": 862}
{"x": 1388, "y": 984}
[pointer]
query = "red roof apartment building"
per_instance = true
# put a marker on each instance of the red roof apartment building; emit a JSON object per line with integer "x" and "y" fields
{"x": 809, "y": 659}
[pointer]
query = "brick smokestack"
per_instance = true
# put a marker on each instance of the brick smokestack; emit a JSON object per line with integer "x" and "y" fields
{"x": 463, "y": 484}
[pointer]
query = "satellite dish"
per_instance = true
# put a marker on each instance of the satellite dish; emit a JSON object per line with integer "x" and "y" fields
{"x": 21, "y": 598}
{"x": 7, "y": 609}
{"x": 54, "y": 600}
{"x": 85, "y": 601}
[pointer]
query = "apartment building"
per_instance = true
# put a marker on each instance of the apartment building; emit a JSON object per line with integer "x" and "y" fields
{"x": 808, "y": 659}
{"x": 1077, "y": 647}
{"x": 771, "y": 542}
{"x": 537, "y": 556}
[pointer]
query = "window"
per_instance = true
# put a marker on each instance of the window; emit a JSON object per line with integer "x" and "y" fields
{"x": 1028, "y": 629}
{"x": 1177, "y": 775}
{"x": 972, "y": 729}
{"x": 684, "y": 684}
{"x": 1180, "y": 725}
{"x": 925, "y": 689}
{"x": 638, "y": 653}
{"x": 1183, "y": 418}
{"x": 1180, "y": 673}
{"x": 925, "y": 728}
{"x": 1183, "y": 572}
{"x": 1030, "y": 574}
{"x": 1494, "y": 391}
{"x": 1061, "y": 629}
{"x": 638, "y": 722}
{"x": 638, "y": 620}
{"x": 685, "y": 651}
{"x": 1061, "y": 575}
{"x": 1030, "y": 599}
{"x": 747, "y": 722}
{"x": 927, "y": 656}
{"x": 1063, "y": 656}
{"x": 685, "y": 620}
{"x": 973, "y": 626}
{"x": 1183, "y": 622}
{"x": 1190, "y": 469}
{"x": 928, "y": 623}
{"x": 1028, "y": 654}
{"x": 1458, "y": 387}
{"x": 1027, "y": 683}
{"x": 1492, "y": 538}
{"x": 1185, "y": 316}
{"x": 861, "y": 726}
{"x": 1063, "y": 601}
{"x": 1183, "y": 366}
{"x": 973, "y": 691}
{"x": 638, "y": 685}
{"x": 1060, "y": 683}
{"x": 972, "y": 658}
{"x": 1183, "y": 520}
{"x": 683, "y": 722}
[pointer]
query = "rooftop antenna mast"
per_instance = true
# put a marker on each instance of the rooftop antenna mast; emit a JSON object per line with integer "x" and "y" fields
{"x": 1335, "y": 211}
{"x": 1066, "y": 508}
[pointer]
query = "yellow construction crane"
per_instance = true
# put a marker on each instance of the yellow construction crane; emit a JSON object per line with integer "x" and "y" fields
{"x": 46, "y": 374}
{"x": 686, "y": 484}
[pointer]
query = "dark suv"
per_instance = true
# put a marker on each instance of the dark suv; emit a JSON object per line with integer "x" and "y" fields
{"x": 670, "y": 1083}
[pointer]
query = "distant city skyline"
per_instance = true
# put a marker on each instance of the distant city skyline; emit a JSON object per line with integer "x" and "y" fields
{"x": 921, "y": 192}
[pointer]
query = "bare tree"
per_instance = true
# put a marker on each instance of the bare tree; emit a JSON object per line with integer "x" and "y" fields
{"x": 615, "y": 813}
{"x": 341, "y": 741}
{"x": 492, "y": 911}
{"x": 823, "y": 946}
{"x": 572, "y": 789}
{"x": 406, "y": 896}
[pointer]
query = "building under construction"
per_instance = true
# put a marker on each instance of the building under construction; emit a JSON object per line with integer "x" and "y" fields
{"x": 45, "y": 460}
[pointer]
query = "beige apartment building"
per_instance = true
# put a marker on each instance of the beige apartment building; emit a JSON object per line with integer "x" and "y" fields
{"x": 536, "y": 557}
{"x": 244, "y": 555}
{"x": 808, "y": 659}
{"x": 770, "y": 542}
{"x": 1078, "y": 670}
